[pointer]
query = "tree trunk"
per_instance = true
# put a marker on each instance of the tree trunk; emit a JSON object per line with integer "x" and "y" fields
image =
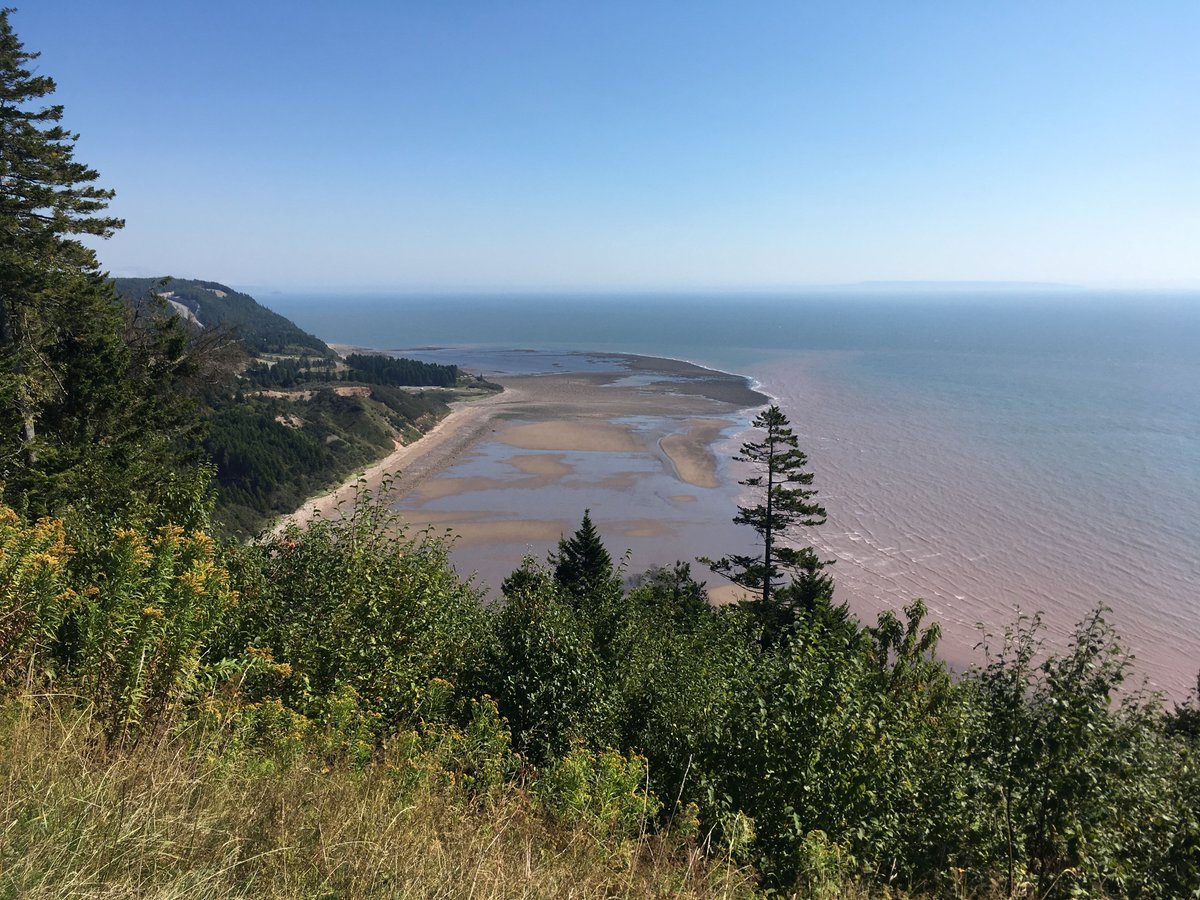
{"x": 9, "y": 342}
{"x": 768, "y": 534}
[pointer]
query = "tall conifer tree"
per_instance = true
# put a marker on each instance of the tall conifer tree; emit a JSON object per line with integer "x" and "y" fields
{"x": 86, "y": 406}
{"x": 46, "y": 199}
{"x": 787, "y": 502}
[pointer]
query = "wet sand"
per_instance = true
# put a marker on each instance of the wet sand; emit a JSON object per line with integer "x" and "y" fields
{"x": 546, "y": 433}
{"x": 639, "y": 447}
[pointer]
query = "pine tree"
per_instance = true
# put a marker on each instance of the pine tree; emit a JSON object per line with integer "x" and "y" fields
{"x": 46, "y": 198}
{"x": 787, "y": 502}
{"x": 582, "y": 566}
{"x": 87, "y": 409}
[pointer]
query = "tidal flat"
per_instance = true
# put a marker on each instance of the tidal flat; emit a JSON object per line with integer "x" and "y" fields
{"x": 643, "y": 443}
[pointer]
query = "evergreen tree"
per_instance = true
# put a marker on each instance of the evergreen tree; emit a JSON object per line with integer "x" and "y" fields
{"x": 45, "y": 197}
{"x": 787, "y": 502}
{"x": 87, "y": 406}
{"x": 582, "y": 566}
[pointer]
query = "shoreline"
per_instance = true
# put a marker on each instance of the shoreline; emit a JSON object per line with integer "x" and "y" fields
{"x": 561, "y": 410}
{"x": 453, "y": 434}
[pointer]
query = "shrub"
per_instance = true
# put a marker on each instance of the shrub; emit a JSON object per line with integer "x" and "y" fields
{"x": 357, "y": 608}
{"x": 551, "y": 684}
{"x": 603, "y": 789}
{"x": 33, "y": 598}
{"x": 135, "y": 638}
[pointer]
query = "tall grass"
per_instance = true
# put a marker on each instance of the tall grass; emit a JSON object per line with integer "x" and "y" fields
{"x": 79, "y": 816}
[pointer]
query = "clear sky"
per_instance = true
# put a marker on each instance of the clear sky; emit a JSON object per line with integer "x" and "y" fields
{"x": 559, "y": 144}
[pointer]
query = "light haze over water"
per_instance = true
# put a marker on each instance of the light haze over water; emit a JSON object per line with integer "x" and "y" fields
{"x": 982, "y": 450}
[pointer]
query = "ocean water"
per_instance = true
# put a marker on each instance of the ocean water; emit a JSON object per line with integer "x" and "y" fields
{"x": 987, "y": 452}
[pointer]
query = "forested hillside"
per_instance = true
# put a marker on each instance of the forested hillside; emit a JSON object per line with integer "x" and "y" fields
{"x": 279, "y": 415}
{"x": 333, "y": 712}
{"x": 208, "y": 304}
{"x": 272, "y": 450}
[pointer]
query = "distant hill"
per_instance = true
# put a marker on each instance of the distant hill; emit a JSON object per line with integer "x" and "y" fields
{"x": 209, "y": 304}
{"x": 952, "y": 286}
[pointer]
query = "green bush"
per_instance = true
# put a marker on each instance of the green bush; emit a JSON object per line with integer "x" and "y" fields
{"x": 356, "y": 607}
{"x": 550, "y": 682}
{"x": 135, "y": 638}
{"x": 605, "y": 790}
{"x": 1091, "y": 793}
{"x": 34, "y": 600}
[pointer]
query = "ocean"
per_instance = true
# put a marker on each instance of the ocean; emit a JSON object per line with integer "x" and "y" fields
{"x": 990, "y": 452}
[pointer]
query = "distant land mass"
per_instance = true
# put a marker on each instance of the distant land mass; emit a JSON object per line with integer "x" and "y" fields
{"x": 962, "y": 286}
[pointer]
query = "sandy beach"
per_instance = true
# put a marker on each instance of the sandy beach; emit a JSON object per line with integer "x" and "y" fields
{"x": 499, "y": 471}
{"x": 409, "y": 464}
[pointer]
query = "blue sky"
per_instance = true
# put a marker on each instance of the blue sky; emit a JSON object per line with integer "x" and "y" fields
{"x": 550, "y": 145}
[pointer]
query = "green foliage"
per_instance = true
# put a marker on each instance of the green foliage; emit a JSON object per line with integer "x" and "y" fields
{"x": 91, "y": 414}
{"x": 289, "y": 373}
{"x": 271, "y": 454}
{"x": 350, "y": 656}
{"x": 476, "y": 756}
{"x": 1185, "y": 719}
{"x": 34, "y": 600}
{"x": 1088, "y": 783}
{"x": 673, "y": 588}
{"x": 823, "y": 867}
{"x": 376, "y": 368}
{"x": 826, "y": 739}
{"x": 136, "y": 634}
{"x": 605, "y": 790}
{"x": 356, "y": 605}
{"x": 582, "y": 567}
{"x": 549, "y": 680}
{"x": 787, "y": 503}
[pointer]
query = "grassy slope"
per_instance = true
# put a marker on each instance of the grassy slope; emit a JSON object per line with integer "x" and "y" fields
{"x": 166, "y": 821}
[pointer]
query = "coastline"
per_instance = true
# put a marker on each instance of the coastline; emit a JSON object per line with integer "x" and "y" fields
{"x": 450, "y": 436}
{"x": 555, "y": 413}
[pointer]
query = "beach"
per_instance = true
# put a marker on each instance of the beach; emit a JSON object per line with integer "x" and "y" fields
{"x": 508, "y": 475}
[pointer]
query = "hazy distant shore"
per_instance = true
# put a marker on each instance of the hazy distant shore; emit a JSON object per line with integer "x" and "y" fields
{"x": 543, "y": 416}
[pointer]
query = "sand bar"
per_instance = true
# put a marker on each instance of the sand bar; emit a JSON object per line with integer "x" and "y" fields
{"x": 691, "y": 452}
{"x": 566, "y": 411}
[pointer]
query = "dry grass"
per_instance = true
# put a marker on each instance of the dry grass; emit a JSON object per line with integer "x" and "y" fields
{"x": 164, "y": 821}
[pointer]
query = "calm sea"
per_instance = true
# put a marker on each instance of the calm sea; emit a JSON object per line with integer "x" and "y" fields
{"x": 984, "y": 451}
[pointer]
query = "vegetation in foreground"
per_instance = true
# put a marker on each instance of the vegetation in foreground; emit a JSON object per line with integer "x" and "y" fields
{"x": 334, "y": 713}
{"x": 193, "y": 815}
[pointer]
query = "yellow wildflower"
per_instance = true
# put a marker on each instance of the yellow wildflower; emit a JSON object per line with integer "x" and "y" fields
{"x": 169, "y": 533}
{"x": 193, "y": 581}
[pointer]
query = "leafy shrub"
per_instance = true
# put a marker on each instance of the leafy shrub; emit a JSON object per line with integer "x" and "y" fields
{"x": 33, "y": 598}
{"x": 837, "y": 735}
{"x": 1093, "y": 796}
{"x": 604, "y": 789}
{"x": 136, "y": 635}
{"x": 550, "y": 683}
{"x": 476, "y": 757}
{"x": 356, "y": 608}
